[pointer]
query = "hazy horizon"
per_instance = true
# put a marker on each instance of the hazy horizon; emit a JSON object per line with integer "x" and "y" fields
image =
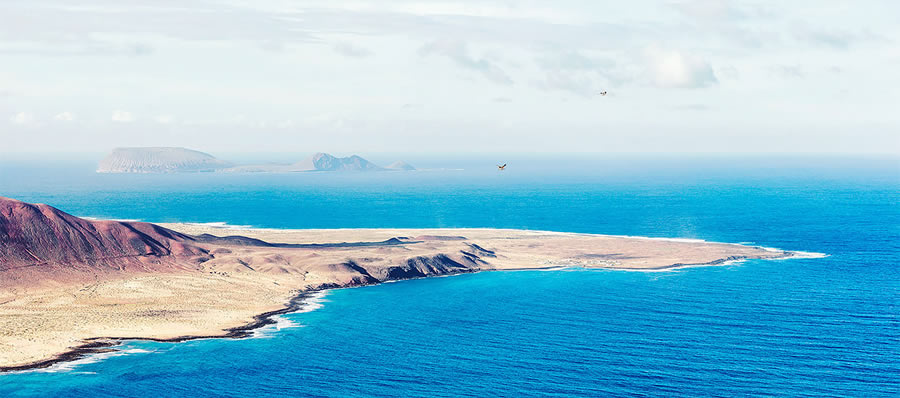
{"x": 526, "y": 165}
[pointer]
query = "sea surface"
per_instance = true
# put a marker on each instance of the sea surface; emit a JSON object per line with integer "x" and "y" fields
{"x": 805, "y": 327}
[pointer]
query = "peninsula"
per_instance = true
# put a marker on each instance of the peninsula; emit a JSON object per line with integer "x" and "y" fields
{"x": 71, "y": 287}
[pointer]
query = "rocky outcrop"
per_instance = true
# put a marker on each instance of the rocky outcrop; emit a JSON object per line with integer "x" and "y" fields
{"x": 325, "y": 162}
{"x": 422, "y": 266}
{"x": 480, "y": 251}
{"x": 159, "y": 160}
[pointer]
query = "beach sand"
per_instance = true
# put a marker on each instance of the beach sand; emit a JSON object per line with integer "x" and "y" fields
{"x": 40, "y": 325}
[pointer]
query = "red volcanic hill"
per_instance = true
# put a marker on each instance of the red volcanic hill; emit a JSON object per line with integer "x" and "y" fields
{"x": 37, "y": 238}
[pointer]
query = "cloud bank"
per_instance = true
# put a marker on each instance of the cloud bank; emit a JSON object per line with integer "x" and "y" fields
{"x": 435, "y": 75}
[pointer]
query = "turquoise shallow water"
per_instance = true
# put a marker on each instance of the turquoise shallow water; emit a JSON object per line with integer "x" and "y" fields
{"x": 811, "y": 327}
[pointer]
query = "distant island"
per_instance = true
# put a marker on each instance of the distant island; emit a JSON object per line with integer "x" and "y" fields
{"x": 71, "y": 287}
{"x": 181, "y": 160}
{"x": 159, "y": 160}
{"x": 400, "y": 165}
{"x": 318, "y": 162}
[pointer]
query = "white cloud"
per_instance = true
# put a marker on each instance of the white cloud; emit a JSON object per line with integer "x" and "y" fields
{"x": 676, "y": 69}
{"x": 458, "y": 51}
{"x": 122, "y": 116}
{"x": 576, "y": 73}
{"x": 65, "y": 116}
{"x": 691, "y": 107}
{"x": 787, "y": 71}
{"x": 728, "y": 72}
{"x": 22, "y": 118}
{"x": 351, "y": 50}
{"x": 165, "y": 119}
{"x": 835, "y": 38}
{"x": 709, "y": 9}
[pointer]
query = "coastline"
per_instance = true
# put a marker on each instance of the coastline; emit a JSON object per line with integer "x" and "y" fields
{"x": 100, "y": 345}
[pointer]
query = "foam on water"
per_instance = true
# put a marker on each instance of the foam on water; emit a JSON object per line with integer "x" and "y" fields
{"x": 314, "y": 301}
{"x": 794, "y": 253}
{"x": 221, "y": 225}
{"x": 268, "y": 331}
{"x": 70, "y": 366}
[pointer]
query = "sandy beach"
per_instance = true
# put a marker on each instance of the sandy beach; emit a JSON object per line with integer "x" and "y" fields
{"x": 242, "y": 283}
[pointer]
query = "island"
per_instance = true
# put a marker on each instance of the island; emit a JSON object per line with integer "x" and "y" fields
{"x": 183, "y": 160}
{"x": 400, "y": 165}
{"x": 159, "y": 160}
{"x": 71, "y": 287}
{"x": 317, "y": 162}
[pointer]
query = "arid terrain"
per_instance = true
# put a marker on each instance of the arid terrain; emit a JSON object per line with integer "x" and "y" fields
{"x": 70, "y": 286}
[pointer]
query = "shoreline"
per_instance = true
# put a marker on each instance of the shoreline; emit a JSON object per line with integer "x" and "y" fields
{"x": 101, "y": 345}
{"x": 324, "y": 264}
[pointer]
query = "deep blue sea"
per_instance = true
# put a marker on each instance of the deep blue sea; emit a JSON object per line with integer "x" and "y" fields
{"x": 805, "y": 327}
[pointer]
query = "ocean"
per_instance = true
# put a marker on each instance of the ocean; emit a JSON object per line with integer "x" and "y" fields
{"x": 804, "y": 327}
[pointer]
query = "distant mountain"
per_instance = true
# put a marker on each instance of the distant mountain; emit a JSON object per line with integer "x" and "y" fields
{"x": 400, "y": 165}
{"x": 325, "y": 162}
{"x": 159, "y": 160}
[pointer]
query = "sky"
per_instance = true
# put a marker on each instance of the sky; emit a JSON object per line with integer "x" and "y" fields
{"x": 682, "y": 76}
